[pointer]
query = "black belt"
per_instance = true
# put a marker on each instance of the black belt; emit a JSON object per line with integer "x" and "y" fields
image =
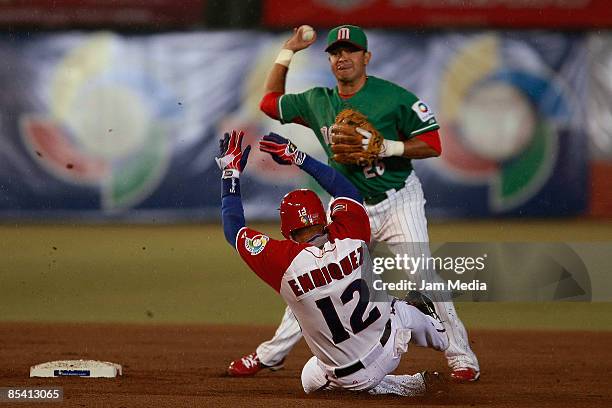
{"x": 379, "y": 197}
{"x": 353, "y": 368}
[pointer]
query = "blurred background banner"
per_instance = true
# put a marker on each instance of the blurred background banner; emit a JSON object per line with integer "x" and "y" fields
{"x": 95, "y": 13}
{"x": 600, "y": 122}
{"x": 103, "y": 125}
{"x": 511, "y": 110}
{"x": 110, "y": 126}
{"x": 437, "y": 13}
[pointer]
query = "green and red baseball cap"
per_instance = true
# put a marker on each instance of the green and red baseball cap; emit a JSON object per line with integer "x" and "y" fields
{"x": 347, "y": 34}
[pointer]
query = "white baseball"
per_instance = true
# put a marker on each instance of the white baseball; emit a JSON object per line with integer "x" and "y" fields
{"x": 307, "y": 32}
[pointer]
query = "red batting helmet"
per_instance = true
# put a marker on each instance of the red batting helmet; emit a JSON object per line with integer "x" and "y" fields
{"x": 301, "y": 208}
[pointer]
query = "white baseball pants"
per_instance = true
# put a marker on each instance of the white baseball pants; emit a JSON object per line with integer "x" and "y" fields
{"x": 408, "y": 325}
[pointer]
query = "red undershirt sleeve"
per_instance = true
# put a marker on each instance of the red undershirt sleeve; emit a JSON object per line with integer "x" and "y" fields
{"x": 269, "y": 104}
{"x": 432, "y": 138}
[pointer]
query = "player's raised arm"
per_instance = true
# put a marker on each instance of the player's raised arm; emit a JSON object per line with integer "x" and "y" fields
{"x": 284, "y": 152}
{"x": 301, "y": 38}
{"x": 232, "y": 161}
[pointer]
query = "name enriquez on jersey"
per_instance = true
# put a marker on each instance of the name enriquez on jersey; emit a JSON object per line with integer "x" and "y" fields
{"x": 329, "y": 273}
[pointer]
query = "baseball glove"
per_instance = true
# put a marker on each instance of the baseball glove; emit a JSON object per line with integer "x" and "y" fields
{"x": 354, "y": 139}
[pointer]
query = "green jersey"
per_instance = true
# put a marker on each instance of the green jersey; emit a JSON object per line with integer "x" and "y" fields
{"x": 395, "y": 112}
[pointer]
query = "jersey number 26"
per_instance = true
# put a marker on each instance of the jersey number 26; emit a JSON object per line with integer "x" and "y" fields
{"x": 377, "y": 168}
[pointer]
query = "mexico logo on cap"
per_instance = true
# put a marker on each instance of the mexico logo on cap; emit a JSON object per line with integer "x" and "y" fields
{"x": 344, "y": 33}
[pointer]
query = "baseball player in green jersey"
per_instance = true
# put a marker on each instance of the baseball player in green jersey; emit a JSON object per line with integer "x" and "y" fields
{"x": 392, "y": 192}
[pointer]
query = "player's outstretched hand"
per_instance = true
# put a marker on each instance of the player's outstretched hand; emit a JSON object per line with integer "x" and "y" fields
{"x": 282, "y": 150}
{"x": 232, "y": 159}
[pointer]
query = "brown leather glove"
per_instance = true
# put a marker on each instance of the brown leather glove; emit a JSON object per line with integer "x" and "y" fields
{"x": 354, "y": 139}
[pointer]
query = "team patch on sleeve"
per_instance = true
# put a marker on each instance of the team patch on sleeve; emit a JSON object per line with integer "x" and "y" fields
{"x": 422, "y": 110}
{"x": 269, "y": 258}
{"x": 338, "y": 207}
{"x": 256, "y": 244}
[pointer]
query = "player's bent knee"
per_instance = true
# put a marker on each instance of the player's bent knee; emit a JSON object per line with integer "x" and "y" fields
{"x": 313, "y": 377}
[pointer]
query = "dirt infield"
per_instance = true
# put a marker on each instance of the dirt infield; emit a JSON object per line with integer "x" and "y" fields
{"x": 183, "y": 366}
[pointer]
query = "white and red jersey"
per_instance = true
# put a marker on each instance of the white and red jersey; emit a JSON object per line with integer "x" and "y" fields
{"x": 324, "y": 287}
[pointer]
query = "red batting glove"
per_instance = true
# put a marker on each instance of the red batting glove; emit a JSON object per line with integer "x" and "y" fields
{"x": 282, "y": 150}
{"x": 232, "y": 160}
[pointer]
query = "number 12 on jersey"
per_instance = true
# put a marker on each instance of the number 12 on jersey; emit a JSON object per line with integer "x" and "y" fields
{"x": 357, "y": 322}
